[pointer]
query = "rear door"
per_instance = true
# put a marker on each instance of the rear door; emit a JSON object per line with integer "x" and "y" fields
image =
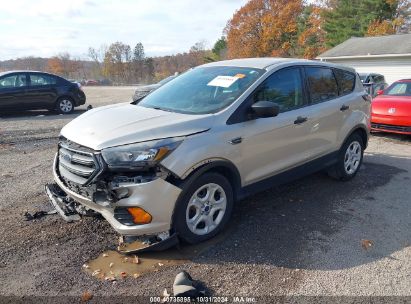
{"x": 330, "y": 107}
{"x": 42, "y": 90}
{"x": 12, "y": 91}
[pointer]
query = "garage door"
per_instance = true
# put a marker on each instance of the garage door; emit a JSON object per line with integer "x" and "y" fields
{"x": 392, "y": 68}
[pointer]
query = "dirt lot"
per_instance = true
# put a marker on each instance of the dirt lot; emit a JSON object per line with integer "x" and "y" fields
{"x": 304, "y": 238}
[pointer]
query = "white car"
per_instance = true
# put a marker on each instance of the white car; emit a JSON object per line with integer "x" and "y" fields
{"x": 176, "y": 162}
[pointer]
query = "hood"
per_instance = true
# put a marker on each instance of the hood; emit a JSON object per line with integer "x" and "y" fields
{"x": 122, "y": 124}
{"x": 384, "y": 105}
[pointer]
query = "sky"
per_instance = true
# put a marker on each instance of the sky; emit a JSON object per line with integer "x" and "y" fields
{"x": 45, "y": 28}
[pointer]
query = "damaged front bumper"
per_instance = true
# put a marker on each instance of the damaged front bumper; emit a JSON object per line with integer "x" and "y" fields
{"x": 157, "y": 197}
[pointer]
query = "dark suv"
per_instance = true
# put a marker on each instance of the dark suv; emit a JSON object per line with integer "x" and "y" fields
{"x": 28, "y": 90}
{"x": 373, "y": 82}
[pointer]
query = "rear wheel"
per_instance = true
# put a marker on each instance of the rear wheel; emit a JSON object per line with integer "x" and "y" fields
{"x": 65, "y": 105}
{"x": 204, "y": 208}
{"x": 349, "y": 159}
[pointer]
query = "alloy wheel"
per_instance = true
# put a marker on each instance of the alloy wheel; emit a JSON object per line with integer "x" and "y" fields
{"x": 66, "y": 105}
{"x": 206, "y": 209}
{"x": 352, "y": 157}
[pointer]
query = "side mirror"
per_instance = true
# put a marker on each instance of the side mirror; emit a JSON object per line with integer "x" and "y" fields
{"x": 265, "y": 109}
{"x": 380, "y": 92}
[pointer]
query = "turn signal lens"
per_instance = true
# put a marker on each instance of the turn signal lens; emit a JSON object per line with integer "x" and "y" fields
{"x": 140, "y": 216}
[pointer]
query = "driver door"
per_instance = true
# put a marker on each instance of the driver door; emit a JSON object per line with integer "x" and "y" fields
{"x": 274, "y": 144}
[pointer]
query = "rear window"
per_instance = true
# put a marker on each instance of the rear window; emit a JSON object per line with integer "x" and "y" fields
{"x": 41, "y": 80}
{"x": 346, "y": 81}
{"x": 322, "y": 84}
{"x": 399, "y": 89}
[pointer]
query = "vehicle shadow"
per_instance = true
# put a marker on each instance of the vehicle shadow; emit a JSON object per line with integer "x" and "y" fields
{"x": 39, "y": 114}
{"x": 320, "y": 223}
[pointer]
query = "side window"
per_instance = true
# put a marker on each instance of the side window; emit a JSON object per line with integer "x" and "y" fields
{"x": 346, "y": 81}
{"x": 379, "y": 79}
{"x": 322, "y": 84}
{"x": 40, "y": 80}
{"x": 13, "y": 81}
{"x": 284, "y": 87}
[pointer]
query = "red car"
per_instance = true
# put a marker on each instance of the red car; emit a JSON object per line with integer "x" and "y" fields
{"x": 391, "y": 109}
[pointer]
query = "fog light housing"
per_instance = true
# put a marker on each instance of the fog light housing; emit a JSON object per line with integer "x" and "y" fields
{"x": 139, "y": 215}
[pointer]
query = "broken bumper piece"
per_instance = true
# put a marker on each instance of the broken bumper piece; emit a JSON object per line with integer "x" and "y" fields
{"x": 160, "y": 242}
{"x": 63, "y": 205}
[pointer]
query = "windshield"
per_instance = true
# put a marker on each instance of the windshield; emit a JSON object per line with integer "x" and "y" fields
{"x": 399, "y": 89}
{"x": 202, "y": 90}
{"x": 363, "y": 77}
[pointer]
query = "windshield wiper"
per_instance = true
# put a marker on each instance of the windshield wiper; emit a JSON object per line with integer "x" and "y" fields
{"x": 162, "y": 109}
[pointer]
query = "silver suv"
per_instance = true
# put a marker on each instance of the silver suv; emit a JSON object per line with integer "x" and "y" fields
{"x": 176, "y": 162}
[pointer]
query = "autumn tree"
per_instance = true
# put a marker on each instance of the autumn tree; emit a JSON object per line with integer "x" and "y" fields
{"x": 54, "y": 65}
{"x": 97, "y": 56}
{"x": 399, "y": 22}
{"x": 138, "y": 65}
{"x": 116, "y": 60}
{"x": 311, "y": 37}
{"x": 264, "y": 28}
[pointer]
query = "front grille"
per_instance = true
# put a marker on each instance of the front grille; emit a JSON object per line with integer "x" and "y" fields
{"x": 390, "y": 127}
{"x": 76, "y": 163}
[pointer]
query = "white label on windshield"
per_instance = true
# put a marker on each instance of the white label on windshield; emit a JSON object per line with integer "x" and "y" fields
{"x": 222, "y": 81}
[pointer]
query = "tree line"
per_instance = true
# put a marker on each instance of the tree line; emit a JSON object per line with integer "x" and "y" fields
{"x": 286, "y": 28}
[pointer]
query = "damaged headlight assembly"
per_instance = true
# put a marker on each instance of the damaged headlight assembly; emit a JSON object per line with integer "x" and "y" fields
{"x": 140, "y": 155}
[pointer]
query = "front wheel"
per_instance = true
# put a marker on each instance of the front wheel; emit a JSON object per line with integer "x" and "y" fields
{"x": 65, "y": 105}
{"x": 204, "y": 208}
{"x": 349, "y": 159}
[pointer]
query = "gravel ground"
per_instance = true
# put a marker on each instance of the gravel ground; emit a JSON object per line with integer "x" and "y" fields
{"x": 308, "y": 237}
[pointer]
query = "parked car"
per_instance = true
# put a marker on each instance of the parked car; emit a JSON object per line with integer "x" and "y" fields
{"x": 29, "y": 90}
{"x": 373, "y": 82}
{"x": 91, "y": 82}
{"x": 391, "y": 109}
{"x": 176, "y": 162}
{"x": 144, "y": 90}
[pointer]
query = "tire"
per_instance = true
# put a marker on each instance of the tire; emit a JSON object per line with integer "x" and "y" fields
{"x": 65, "y": 105}
{"x": 349, "y": 159}
{"x": 199, "y": 216}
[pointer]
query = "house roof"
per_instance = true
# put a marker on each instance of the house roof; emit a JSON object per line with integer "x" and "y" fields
{"x": 364, "y": 46}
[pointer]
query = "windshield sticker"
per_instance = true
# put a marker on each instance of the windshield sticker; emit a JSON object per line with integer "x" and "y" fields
{"x": 240, "y": 76}
{"x": 223, "y": 81}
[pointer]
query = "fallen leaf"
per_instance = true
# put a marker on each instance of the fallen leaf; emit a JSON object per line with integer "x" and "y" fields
{"x": 110, "y": 279}
{"x": 105, "y": 255}
{"x": 165, "y": 293}
{"x": 160, "y": 264}
{"x": 96, "y": 272}
{"x": 123, "y": 274}
{"x": 366, "y": 244}
{"x": 136, "y": 260}
{"x": 86, "y": 266}
{"x": 111, "y": 265}
{"x": 86, "y": 296}
{"x": 136, "y": 275}
{"x": 125, "y": 260}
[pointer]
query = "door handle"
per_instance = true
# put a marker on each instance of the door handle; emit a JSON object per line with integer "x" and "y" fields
{"x": 300, "y": 120}
{"x": 344, "y": 107}
{"x": 236, "y": 141}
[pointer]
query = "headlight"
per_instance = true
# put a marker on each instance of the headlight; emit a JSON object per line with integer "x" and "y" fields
{"x": 140, "y": 155}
